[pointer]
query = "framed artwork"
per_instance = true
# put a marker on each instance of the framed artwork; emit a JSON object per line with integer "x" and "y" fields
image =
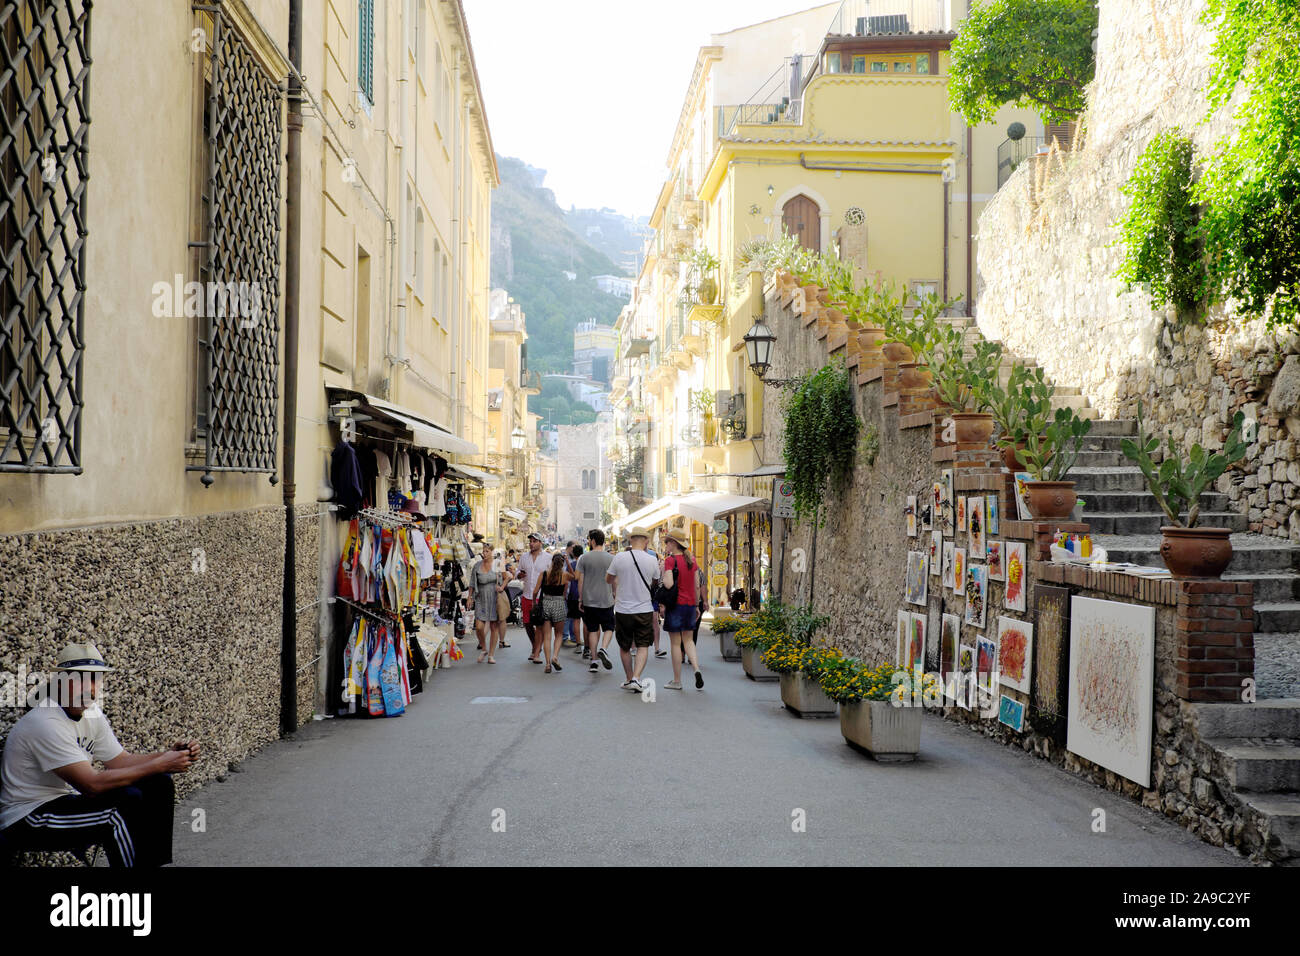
{"x": 1051, "y": 659}
{"x": 965, "y": 674}
{"x": 1022, "y": 497}
{"x": 1112, "y": 663}
{"x": 997, "y": 569}
{"x": 961, "y": 513}
{"x": 936, "y": 552}
{"x": 977, "y": 590}
{"x": 923, "y": 512}
{"x": 1015, "y": 653}
{"x": 910, "y": 512}
{"x": 947, "y": 578}
{"x": 1015, "y": 561}
{"x": 916, "y": 643}
{"x": 991, "y": 515}
{"x": 1012, "y": 713}
{"x": 986, "y": 663}
{"x": 958, "y": 570}
{"x": 975, "y": 528}
{"x": 917, "y": 577}
{"x": 904, "y": 631}
{"x": 936, "y": 502}
{"x": 949, "y": 638}
{"x": 948, "y": 508}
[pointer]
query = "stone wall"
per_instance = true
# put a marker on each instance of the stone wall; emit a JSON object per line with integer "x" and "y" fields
{"x": 1047, "y": 261}
{"x": 186, "y": 610}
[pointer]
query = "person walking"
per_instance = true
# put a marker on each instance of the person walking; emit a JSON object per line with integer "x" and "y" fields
{"x": 681, "y": 579}
{"x": 702, "y": 591}
{"x": 657, "y": 619}
{"x": 532, "y": 565}
{"x": 573, "y": 623}
{"x": 550, "y": 591}
{"x": 631, "y": 573}
{"x": 486, "y": 581}
{"x": 596, "y": 601}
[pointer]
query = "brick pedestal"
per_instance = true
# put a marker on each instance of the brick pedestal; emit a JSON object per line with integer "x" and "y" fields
{"x": 1216, "y": 639}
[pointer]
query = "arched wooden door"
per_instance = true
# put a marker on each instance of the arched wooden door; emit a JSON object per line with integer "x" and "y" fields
{"x": 803, "y": 219}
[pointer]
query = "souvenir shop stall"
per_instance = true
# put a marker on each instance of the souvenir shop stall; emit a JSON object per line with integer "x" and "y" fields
{"x": 399, "y": 579}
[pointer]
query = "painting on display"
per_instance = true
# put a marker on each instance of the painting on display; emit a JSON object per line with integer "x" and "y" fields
{"x": 1051, "y": 659}
{"x": 1022, "y": 495}
{"x": 961, "y": 513}
{"x": 904, "y": 631}
{"x": 958, "y": 570}
{"x": 936, "y": 503}
{"x": 991, "y": 521}
{"x": 936, "y": 552}
{"x": 1015, "y": 653}
{"x": 948, "y": 509}
{"x": 949, "y": 635}
{"x": 1112, "y": 661}
{"x": 986, "y": 663}
{"x": 910, "y": 512}
{"x": 917, "y": 577}
{"x": 1012, "y": 713}
{"x": 1015, "y": 561}
{"x": 965, "y": 674}
{"x": 923, "y": 512}
{"x": 975, "y": 528}
{"x": 997, "y": 569}
{"x": 916, "y": 643}
{"x": 977, "y": 591}
{"x": 947, "y": 565}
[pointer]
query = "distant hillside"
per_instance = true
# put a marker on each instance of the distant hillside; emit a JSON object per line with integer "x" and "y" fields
{"x": 532, "y": 248}
{"x": 619, "y": 237}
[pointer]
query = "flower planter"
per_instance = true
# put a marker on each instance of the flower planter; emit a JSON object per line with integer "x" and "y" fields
{"x": 752, "y": 660}
{"x": 914, "y": 375}
{"x": 730, "y": 649}
{"x": 889, "y": 734}
{"x": 1011, "y": 458}
{"x": 973, "y": 428}
{"x": 896, "y": 353}
{"x": 1196, "y": 552}
{"x": 1051, "y": 500}
{"x": 804, "y": 697}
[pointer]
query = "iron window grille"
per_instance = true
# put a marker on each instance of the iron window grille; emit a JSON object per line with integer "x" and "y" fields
{"x": 44, "y": 130}
{"x": 239, "y": 260}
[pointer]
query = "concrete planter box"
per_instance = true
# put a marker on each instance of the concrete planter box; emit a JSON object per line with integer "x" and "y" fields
{"x": 804, "y": 697}
{"x": 755, "y": 669}
{"x": 888, "y": 733}
{"x": 730, "y": 649}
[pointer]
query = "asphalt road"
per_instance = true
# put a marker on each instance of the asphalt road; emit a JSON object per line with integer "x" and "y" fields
{"x": 582, "y": 772}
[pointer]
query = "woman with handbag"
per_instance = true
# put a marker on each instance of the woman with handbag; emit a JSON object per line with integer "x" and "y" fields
{"x": 487, "y": 585}
{"x": 681, "y": 604}
{"x": 548, "y": 597}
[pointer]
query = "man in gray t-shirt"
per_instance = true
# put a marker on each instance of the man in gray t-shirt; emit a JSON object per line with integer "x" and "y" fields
{"x": 596, "y": 599}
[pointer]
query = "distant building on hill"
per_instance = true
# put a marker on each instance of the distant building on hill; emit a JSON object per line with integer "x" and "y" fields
{"x": 594, "y": 349}
{"x": 615, "y": 285}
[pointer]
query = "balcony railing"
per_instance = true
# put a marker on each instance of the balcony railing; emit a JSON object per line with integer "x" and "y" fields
{"x": 1013, "y": 152}
{"x": 861, "y": 18}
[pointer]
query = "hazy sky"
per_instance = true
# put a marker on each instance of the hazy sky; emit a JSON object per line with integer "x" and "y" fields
{"x": 590, "y": 90}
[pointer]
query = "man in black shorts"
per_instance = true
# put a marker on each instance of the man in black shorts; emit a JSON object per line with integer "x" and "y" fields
{"x": 632, "y": 573}
{"x": 596, "y": 600}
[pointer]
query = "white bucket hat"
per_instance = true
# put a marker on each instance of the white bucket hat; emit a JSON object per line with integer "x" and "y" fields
{"x": 81, "y": 657}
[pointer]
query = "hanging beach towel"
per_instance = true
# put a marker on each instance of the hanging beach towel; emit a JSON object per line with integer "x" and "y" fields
{"x": 390, "y": 678}
{"x": 348, "y": 582}
{"x": 374, "y": 664}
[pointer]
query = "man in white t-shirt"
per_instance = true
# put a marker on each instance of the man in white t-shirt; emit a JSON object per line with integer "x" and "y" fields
{"x": 532, "y": 565}
{"x": 633, "y": 573}
{"x": 53, "y": 797}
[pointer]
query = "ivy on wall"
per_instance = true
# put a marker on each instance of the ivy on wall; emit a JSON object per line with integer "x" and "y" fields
{"x": 821, "y": 436}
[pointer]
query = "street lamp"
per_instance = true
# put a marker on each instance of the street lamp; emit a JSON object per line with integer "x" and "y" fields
{"x": 518, "y": 439}
{"x": 758, "y": 346}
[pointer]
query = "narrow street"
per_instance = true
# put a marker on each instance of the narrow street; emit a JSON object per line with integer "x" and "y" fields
{"x": 588, "y": 774}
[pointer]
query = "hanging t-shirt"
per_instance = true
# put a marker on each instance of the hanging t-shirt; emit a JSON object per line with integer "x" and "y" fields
{"x": 383, "y": 477}
{"x": 44, "y": 739}
{"x": 436, "y": 506}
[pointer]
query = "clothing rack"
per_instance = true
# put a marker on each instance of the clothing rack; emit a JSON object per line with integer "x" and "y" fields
{"x": 386, "y": 518}
{"x": 386, "y": 616}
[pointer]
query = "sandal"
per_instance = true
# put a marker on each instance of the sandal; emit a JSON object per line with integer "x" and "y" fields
{"x": 548, "y": 669}
{"x": 482, "y": 657}
{"x": 503, "y": 644}
{"x": 492, "y": 660}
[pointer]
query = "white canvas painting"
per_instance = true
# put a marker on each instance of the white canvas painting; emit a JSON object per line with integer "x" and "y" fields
{"x": 1112, "y": 673}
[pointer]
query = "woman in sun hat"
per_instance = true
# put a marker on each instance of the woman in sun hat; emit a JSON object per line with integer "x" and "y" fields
{"x": 680, "y": 571}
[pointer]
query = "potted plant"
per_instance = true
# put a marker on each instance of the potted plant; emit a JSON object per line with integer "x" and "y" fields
{"x": 705, "y": 265}
{"x": 1177, "y": 484}
{"x": 879, "y": 713}
{"x": 726, "y": 628}
{"x": 1049, "y": 458}
{"x": 753, "y": 640}
{"x": 798, "y": 664}
{"x": 1024, "y": 404}
{"x": 961, "y": 383}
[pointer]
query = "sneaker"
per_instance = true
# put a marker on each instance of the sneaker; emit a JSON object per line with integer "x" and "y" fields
{"x": 633, "y": 685}
{"x": 594, "y": 668}
{"x": 556, "y": 664}
{"x": 673, "y": 685}
{"x": 586, "y": 653}
{"x": 699, "y": 681}
{"x": 604, "y": 659}
{"x": 661, "y": 653}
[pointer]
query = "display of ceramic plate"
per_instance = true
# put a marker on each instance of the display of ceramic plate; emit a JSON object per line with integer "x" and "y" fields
{"x": 719, "y": 567}
{"x": 720, "y": 525}
{"x": 720, "y": 554}
{"x": 720, "y": 539}
{"x": 719, "y": 580}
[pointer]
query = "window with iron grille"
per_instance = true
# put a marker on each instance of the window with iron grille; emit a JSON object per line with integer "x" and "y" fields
{"x": 238, "y": 244}
{"x": 366, "y": 47}
{"x": 44, "y": 75}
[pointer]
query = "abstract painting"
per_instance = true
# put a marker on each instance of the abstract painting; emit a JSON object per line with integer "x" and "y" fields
{"x": 917, "y": 577}
{"x": 977, "y": 590}
{"x": 947, "y": 564}
{"x": 949, "y": 633}
{"x": 986, "y": 653}
{"x": 975, "y": 528}
{"x": 965, "y": 674}
{"x": 910, "y": 512}
{"x": 1015, "y": 560}
{"x": 961, "y": 513}
{"x": 916, "y": 643}
{"x": 1051, "y": 658}
{"x": 904, "y": 631}
{"x": 936, "y": 552}
{"x": 923, "y": 512}
{"x": 936, "y": 502}
{"x": 991, "y": 515}
{"x": 1112, "y": 657}
{"x": 1015, "y": 653}
{"x": 948, "y": 509}
{"x": 1022, "y": 496}
{"x": 997, "y": 570}
{"x": 1012, "y": 713}
{"x": 958, "y": 570}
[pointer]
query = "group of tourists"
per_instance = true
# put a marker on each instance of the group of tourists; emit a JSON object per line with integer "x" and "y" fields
{"x": 584, "y": 597}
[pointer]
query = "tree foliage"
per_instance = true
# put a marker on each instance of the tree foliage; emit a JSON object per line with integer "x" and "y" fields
{"x": 1031, "y": 53}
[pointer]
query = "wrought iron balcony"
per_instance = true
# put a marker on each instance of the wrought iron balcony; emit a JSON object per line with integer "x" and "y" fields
{"x": 1013, "y": 152}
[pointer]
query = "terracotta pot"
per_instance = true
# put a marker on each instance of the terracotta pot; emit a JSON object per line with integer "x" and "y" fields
{"x": 973, "y": 428}
{"x": 1196, "y": 552}
{"x": 1051, "y": 500}
{"x": 914, "y": 375}
{"x": 1011, "y": 459}
{"x": 823, "y": 296}
{"x": 786, "y": 281}
{"x": 897, "y": 353}
{"x": 836, "y": 319}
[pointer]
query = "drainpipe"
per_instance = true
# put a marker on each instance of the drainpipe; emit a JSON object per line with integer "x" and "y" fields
{"x": 292, "y": 270}
{"x": 970, "y": 201}
{"x": 947, "y": 227}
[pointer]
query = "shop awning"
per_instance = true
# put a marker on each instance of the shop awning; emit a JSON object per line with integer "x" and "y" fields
{"x": 514, "y": 513}
{"x": 657, "y": 512}
{"x": 425, "y": 433}
{"x": 767, "y": 471}
{"x": 707, "y": 506}
{"x": 481, "y": 478}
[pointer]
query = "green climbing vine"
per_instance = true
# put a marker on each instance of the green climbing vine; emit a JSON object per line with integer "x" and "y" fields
{"x": 821, "y": 436}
